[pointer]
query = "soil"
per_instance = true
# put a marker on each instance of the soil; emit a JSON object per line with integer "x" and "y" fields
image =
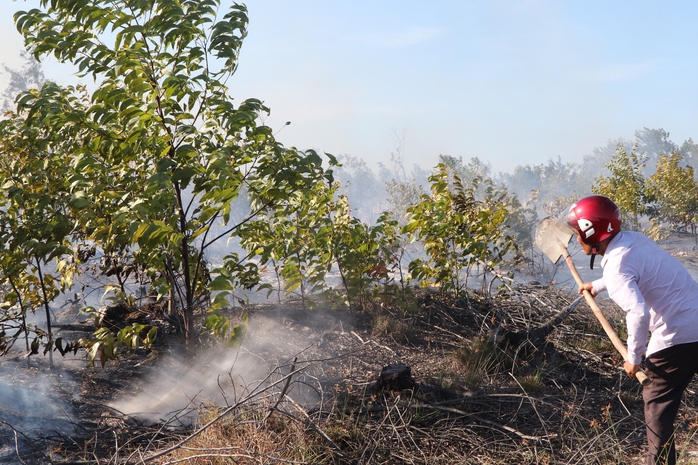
{"x": 476, "y": 392}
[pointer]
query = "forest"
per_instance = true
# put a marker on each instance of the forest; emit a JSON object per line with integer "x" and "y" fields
{"x": 156, "y": 194}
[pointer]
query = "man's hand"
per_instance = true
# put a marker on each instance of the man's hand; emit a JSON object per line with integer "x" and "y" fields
{"x": 587, "y": 287}
{"x": 631, "y": 369}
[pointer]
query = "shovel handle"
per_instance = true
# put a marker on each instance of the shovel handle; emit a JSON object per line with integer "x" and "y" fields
{"x": 617, "y": 343}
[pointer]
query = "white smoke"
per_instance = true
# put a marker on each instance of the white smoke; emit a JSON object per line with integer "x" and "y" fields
{"x": 172, "y": 393}
{"x": 31, "y": 406}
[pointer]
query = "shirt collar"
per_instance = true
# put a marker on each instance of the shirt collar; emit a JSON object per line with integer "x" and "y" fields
{"x": 610, "y": 247}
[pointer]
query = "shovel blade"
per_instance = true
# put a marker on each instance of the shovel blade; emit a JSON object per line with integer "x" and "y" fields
{"x": 552, "y": 239}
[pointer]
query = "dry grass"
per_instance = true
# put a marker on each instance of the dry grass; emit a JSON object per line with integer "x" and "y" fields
{"x": 250, "y": 437}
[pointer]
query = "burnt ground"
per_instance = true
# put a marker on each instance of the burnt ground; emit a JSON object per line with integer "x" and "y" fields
{"x": 464, "y": 399}
{"x": 472, "y": 386}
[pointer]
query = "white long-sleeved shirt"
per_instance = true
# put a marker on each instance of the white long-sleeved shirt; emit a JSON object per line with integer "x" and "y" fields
{"x": 657, "y": 293}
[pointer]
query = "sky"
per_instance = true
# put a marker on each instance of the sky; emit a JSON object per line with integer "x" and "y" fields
{"x": 511, "y": 82}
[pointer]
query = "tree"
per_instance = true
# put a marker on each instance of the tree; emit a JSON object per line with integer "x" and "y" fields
{"x": 31, "y": 76}
{"x": 547, "y": 182}
{"x": 523, "y": 180}
{"x": 653, "y": 143}
{"x": 368, "y": 257}
{"x": 159, "y": 151}
{"x": 674, "y": 191}
{"x": 625, "y": 185}
{"x": 689, "y": 151}
{"x": 474, "y": 169}
{"x": 35, "y": 224}
{"x": 459, "y": 230}
{"x": 366, "y": 191}
{"x": 296, "y": 238}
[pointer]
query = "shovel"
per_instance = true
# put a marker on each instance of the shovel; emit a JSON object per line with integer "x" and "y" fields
{"x": 552, "y": 239}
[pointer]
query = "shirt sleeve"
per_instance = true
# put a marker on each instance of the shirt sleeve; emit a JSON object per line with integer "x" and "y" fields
{"x": 625, "y": 292}
{"x": 599, "y": 285}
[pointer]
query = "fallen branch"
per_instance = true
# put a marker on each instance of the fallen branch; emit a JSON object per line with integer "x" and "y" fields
{"x": 536, "y": 336}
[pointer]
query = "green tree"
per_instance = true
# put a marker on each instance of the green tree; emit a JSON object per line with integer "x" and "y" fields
{"x": 546, "y": 182}
{"x": 459, "y": 230}
{"x": 368, "y": 257}
{"x": 674, "y": 191}
{"x": 401, "y": 196}
{"x": 35, "y": 221}
{"x": 159, "y": 150}
{"x": 296, "y": 238}
{"x": 523, "y": 180}
{"x": 625, "y": 185}
{"x": 474, "y": 169}
{"x": 365, "y": 191}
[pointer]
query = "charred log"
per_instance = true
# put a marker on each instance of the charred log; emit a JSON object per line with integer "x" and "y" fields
{"x": 119, "y": 316}
{"x": 395, "y": 377}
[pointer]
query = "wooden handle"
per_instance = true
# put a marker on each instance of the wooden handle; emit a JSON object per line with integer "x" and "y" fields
{"x": 618, "y": 344}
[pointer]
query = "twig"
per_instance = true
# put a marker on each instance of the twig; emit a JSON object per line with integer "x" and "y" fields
{"x": 358, "y": 337}
{"x": 201, "y": 456}
{"x": 281, "y": 395}
{"x": 17, "y": 433}
{"x": 450, "y": 332}
{"x": 17, "y": 446}
{"x": 373, "y": 342}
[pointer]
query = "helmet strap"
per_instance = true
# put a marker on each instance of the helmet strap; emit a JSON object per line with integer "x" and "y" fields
{"x": 593, "y": 256}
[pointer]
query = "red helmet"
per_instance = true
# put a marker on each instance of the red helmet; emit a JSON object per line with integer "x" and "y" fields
{"x": 595, "y": 218}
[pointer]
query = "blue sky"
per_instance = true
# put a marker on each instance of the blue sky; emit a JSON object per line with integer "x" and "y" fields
{"x": 512, "y": 82}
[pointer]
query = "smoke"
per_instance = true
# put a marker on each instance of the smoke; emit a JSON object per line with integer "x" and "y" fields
{"x": 173, "y": 393}
{"x": 31, "y": 407}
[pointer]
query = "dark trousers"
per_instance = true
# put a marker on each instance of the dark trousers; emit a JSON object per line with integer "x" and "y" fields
{"x": 670, "y": 370}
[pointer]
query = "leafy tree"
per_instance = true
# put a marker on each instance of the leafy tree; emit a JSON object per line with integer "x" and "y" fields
{"x": 368, "y": 257}
{"x": 594, "y": 164}
{"x": 400, "y": 197}
{"x": 402, "y": 188}
{"x": 159, "y": 151}
{"x": 653, "y": 143}
{"x": 365, "y": 191}
{"x": 601, "y": 155}
{"x": 557, "y": 205}
{"x": 546, "y": 182}
{"x": 523, "y": 180}
{"x": 689, "y": 151}
{"x": 458, "y": 230}
{"x": 674, "y": 191}
{"x": 625, "y": 185}
{"x": 35, "y": 221}
{"x": 560, "y": 178}
{"x": 30, "y": 76}
{"x": 296, "y": 238}
{"x": 474, "y": 169}
{"x": 306, "y": 236}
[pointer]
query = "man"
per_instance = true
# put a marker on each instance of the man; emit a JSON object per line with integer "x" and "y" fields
{"x": 659, "y": 297}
